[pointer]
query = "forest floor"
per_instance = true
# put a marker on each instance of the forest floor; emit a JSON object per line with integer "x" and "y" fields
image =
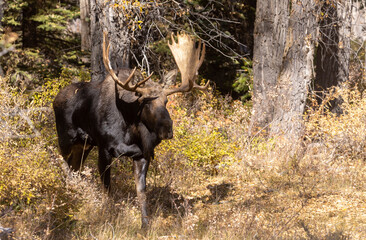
{"x": 212, "y": 181}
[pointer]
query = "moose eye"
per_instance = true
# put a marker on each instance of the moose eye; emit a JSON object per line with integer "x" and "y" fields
{"x": 147, "y": 105}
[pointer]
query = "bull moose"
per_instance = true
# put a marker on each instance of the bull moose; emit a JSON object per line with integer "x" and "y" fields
{"x": 123, "y": 119}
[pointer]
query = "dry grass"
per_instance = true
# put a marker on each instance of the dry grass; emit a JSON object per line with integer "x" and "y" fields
{"x": 265, "y": 190}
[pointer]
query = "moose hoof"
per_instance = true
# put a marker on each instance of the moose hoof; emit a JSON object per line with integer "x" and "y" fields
{"x": 144, "y": 223}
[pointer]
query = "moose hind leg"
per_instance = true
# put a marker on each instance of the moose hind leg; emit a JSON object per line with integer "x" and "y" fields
{"x": 140, "y": 169}
{"x": 65, "y": 150}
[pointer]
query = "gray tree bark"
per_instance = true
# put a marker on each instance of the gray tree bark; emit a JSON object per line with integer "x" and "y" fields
{"x": 118, "y": 33}
{"x": 104, "y": 18}
{"x": 270, "y": 37}
{"x": 296, "y": 72}
{"x": 283, "y": 54}
{"x": 85, "y": 25}
{"x": 96, "y": 31}
{"x": 344, "y": 9}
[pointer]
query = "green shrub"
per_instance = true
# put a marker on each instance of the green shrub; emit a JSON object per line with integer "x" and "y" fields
{"x": 198, "y": 141}
{"x": 204, "y": 148}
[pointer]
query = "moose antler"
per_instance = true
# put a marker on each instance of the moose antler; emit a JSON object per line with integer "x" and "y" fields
{"x": 189, "y": 59}
{"x": 107, "y": 65}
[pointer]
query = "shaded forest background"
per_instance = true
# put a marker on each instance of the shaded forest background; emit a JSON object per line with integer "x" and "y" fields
{"x": 226, "y": 174}
{"x": 51, "y": 32}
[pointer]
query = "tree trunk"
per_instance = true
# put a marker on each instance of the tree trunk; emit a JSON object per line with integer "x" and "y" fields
{"x": 85, "y": 26}
{"x": 118, "y": 34}
{"x": 1, "y": 11}
{"x": 333, "y": 52}
{"x": 29, "y": 27}
{"x": 283, "y": 55}
{"x": 344, "y": 10}
{"x": 105, "y": 18}
{"x": 327, "y": 63}
{"x": 269, "y": 42}
{"x": 296, "y": 72}
{"x": 1, "y": 17}
{"x": 96, "y": 17}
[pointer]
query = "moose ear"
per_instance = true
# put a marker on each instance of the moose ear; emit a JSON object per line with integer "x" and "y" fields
{"x": 170, "y": 78}
{"x": 124, "y": 95}
{"x": 127, "y": 96}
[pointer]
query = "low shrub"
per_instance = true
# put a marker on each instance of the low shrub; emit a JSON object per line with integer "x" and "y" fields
{"x": 201, "y": 139}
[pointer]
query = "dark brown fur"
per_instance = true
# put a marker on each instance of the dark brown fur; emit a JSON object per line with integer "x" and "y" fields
{"x": 117, "y": 121}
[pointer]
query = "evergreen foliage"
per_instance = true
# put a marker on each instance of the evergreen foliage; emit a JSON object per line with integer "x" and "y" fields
{"x": 46, "y": 39}
{"x": 47, "y": 30}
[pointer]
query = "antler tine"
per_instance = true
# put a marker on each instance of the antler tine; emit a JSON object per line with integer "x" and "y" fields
{"x": 107, "y": 62}
{"x": 133, "y": 88}
{"x": 202, "y": 57}
{"x": 201, "y": 88}
{"x": 203, "y": 53}
{"x": 173, "y": 40}
{"x": 189, "y": 59}
{"x": 143, "y": 81}
{"x": 108, "y": 67}
{"x": 130, "y": 77}
{"x": 106, "y": 52}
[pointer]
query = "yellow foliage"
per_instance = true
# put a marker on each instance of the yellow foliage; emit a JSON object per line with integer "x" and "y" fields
{"x": 52, "y": 86}
{"x": 201, "y": 138}
{"x": 261, "y": 188}
{"x": 26, "y": 176}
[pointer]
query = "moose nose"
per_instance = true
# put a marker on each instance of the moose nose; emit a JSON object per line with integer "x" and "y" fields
{"x": 170, "y": 135}
{"x": 166, "y": 129}
{"x": 166, "y": 133}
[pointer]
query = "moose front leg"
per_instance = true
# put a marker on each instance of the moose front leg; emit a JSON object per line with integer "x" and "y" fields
{"x": 140, "y": 168}
{"x": 104, "y": 166}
